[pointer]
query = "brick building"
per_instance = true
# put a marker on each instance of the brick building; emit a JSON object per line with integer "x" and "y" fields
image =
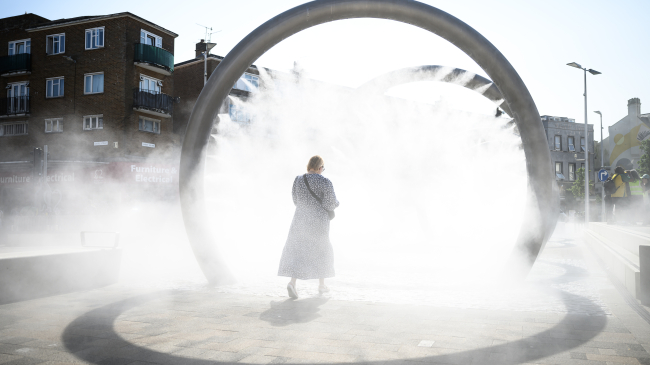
{"x": 189, "y": 83}
{"x": 97, "y": 90}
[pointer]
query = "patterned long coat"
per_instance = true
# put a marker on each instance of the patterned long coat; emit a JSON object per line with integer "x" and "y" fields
{"x": 308, "y": 252}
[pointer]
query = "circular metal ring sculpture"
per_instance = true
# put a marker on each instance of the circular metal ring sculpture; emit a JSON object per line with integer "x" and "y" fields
{"x": 470, "y": 80}
{"x": 540, "y": 218}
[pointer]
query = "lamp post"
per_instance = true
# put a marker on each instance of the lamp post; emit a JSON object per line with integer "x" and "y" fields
{"x": 602, "y": 164}
{"x": 593, "y": 72}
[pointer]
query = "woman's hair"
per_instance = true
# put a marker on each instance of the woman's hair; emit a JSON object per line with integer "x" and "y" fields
{"x": 315, "y": 163}
{"x": 635, "y": 175}
{"x": 619, "y": 170}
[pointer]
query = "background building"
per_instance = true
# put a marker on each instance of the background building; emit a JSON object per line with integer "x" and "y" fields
{"x": 622, "y": 146}
{"x": 567, "y": 142}
{"x": 98, "y": 91}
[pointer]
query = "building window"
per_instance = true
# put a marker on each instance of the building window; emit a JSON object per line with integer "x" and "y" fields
{"x": 558, "y": 143}
{"x": 18, "y": 47}
{"x": 95, "y": 38}
{"x": 150, "y": 39}
{"x": 239, "y": 114}
{"x": 572, "y": 171}
{"x": 582, "y": 166}
{"x": 558, "y": 171}
{"x": 94, "y": 83}
{"x": 13, "y": 129}
{"x": 55, "y": 44}
{"x": 18, "y": 97}
{"x": 571, "y": 141}
{"x": 248, "y": 82}
{"x": 582, "y": 144}
{"x": 149, "y": 125}
{"x": 150, "y": 85}
{"x": 93, "y": 122}
{"x": 54, "y": 87}
{"x": 54, "y": 125}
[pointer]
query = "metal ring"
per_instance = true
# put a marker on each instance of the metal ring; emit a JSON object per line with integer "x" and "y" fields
{"x": 542, "y": 214}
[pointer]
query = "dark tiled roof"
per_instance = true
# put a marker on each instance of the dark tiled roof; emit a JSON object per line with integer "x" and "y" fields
{"x": 96, "y": 17}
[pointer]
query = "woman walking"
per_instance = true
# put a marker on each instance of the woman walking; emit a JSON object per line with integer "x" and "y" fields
{"x": 308, "y": 252}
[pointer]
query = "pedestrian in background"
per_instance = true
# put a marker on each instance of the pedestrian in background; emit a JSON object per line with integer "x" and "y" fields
{"x": 618, "y": 196}
{"x": 645, "y": 185}
{"x": 308, "y": 253}
{"x": 635, "y": 207}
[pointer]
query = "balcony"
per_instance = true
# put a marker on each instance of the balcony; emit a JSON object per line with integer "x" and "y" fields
{"x": 14, "y": 65}
{"x": 158, "y": 104}
{"x": 153, "y": 58}
{"x": 14, "y": 106}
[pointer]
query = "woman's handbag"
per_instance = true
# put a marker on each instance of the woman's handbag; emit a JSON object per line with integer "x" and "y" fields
{"x": 320, "y": 201}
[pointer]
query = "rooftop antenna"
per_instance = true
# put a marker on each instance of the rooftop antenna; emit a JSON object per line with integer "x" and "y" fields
{"x": 208, "y": 46}
{"x": 208, "y": 35}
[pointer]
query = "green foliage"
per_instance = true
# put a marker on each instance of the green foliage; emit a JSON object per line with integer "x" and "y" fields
{"x": 644, "y": 163}
{"x": 578, "y": 187}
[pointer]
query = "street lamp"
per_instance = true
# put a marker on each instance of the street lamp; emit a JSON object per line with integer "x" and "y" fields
{"x": 593, "y": 72}
{"x": 602, "y": 164}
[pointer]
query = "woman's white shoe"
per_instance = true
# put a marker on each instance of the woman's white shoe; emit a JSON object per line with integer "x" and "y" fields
{"x": 291, "y": 290}
{"x": 323, "y": 289}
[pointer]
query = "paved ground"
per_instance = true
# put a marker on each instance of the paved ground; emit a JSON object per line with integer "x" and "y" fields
{"x": 123, "y": 324}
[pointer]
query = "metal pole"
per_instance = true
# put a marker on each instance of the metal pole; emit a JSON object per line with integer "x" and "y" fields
{"x": 45, "y": 164}
{"x": 205, "y": 67}
{"x": 586, "y": 155}
{"x": 602, "y": 163}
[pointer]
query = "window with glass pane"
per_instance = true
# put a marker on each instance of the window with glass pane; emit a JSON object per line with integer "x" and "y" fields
{"x": 95, "y": 38}
{"x": 54, "y": 125}
{"x": 582, "y": 144}
{"x": 150, "y": 39}
{"x": 149, "y": 125}
{"x": 582, "y": 166}
{"x": 19, "y": 47}
{"x": 571, "y": 144}
{"x": 94, "y": 83}
{"x": 239, "y": 114}
{"x": 13, "y": 129}
{"x": 55, "y": 44}
{"x": 54, "y": 88}
{"x": 248, "y": 82}
{"x": 149, "y": 85}
{"x": 558, "y": 143}
{"x": 572, "y": 171}
{"x": 93, "y": 122}
{"x": 558, "y": 167}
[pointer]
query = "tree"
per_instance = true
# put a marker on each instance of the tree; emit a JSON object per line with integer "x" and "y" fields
{"x": 644, "y": 163}
{"x": 578, "y": 187}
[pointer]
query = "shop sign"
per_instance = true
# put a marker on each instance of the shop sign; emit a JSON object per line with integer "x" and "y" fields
{"x": 102, "y": 143}
{"x": 150, "y": 145}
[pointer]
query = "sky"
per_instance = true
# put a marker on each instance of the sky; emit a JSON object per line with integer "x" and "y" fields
{"x": 538, "y": 38}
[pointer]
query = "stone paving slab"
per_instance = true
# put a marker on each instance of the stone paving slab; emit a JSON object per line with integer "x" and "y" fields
{"x": 125, "y": 325}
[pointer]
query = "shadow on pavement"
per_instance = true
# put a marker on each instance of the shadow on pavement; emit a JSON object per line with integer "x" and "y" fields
{"x": 293, "y": 311}
{"x": 572, "y": 331}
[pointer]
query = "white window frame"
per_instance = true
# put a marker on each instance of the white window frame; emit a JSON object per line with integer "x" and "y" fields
{"x": 572, "y": 174}
{"x": 97, "y": 125}
{"x": 3, "y": 128}
{"x": 572, "y": 146}
{"x": 92, "y": 75}
{"x": 60, "y": 39}
{"x": 54, "y": 122}
{"x": 156, "y": 124}
{"x": 241, "y": 83}
{"x": 49, "y": 87}
{"x": 583, "y": 146}
{"x": 28, "y": 46}
{"x": 156, "y": 81}
{"x": 555, "y": 144}
{"x": 94, "y": 33}
{"x": 143, "y": 38}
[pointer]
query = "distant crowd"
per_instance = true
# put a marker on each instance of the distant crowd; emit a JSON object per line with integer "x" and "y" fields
{"x": 627, "y": 200}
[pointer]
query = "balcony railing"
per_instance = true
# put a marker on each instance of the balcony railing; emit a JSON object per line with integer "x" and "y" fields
{"x": 155, "y": 56}
{"x": 15, "y": 63}
{"x": 14, "y": 106}
{"x": 157, "y": 102}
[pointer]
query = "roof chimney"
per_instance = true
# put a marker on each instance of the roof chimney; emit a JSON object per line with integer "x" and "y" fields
{"x": 202, "y": 47}
{"x": 634, "y": 107}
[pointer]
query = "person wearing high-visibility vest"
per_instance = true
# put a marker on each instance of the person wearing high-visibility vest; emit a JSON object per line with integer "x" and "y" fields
{"x": 636, "y": 197}
{"x": 618, "y": 198}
